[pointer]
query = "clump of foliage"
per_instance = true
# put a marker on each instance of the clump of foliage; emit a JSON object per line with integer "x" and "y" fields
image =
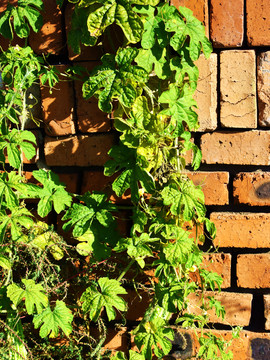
{"x": 148, "y": 83}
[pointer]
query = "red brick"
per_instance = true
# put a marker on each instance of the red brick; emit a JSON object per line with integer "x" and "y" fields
{"x": 214, "y": 186}
{"x": 253, "y": 271}
{"x": 206, "y": 93}
{"x": 263, "y": 83}
{"x": 252, "y": 188}
{"x": 266, "y": 300}
{"x": 227, "y": 23}
{"x": 58, "y": 107}
{"x": 238, "y": 89}
{"x": 89, "y": 117}
{"x": 87, "y": 52}
{"x": 220, "y": 264}
{"x": 78, "y": 150}
{"x": 242, "y": 230}
{"x": 71, "y": 182}
{"x": 258, "y": 22}
{"x": 49, "y": 40}
{"x": 239, "y": 148}
{"x": 199, "y": 8}
{"x": 237, "y": 307}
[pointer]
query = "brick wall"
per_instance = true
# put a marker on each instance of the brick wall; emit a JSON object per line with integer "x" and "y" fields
{"x": 234, "y": 136}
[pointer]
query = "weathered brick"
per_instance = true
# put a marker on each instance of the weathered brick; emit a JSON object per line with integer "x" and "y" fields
{"x": 263, "y": 85}
{"x": 227, "y": 23}
{"x": 206, "y": 93}
{"x": 87, "y": 52}
{"x": 238, "y": 89}
{"x": 239, "y": 148}
{"x": 238, "y": 230}
{"x": 218, "y": 263}
{"x": 237, "y": 307}
{"x": 89, "y": 117}
{"x": 252, "y": 188}
{"x": 266, "y": 301}
{"x": 221, "y": 264}
{"x": 258, "y": 22}
{"x": 49, "y": 39}
{"x": 213, "y": 184}
{"x": 253, "y": 271}
{"x": 78, "y": 150}
{"x": 199, "y": 8}
{"x": 71, "y": 181}
{"x": 58, "y": 107}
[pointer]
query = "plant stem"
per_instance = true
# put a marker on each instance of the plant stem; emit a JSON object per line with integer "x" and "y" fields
{"x": 123, "y": 273}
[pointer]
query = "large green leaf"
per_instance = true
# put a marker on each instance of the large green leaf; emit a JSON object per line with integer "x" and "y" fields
{"x": 15, "y": 222}
{"x": 27, "y": 12}
{"x": 154, "y": 335}
{"x": 53, "y": 193}
{"x": 177, "y": 252}
{"x": 15, "y": 142}
{"x": 133, "y": 172}
{"x": 116, "y": 78}
{"x": 102, "y": 13}
{"x": 33, "y": 294}
{"x": 95, "y": 298}
{"x": 185, "y": 26}
{"x": 156, "y": 58}
{"x": 50, "y": 322}
{"x": 180, "y": 103}
{"x": 185, "y": 199}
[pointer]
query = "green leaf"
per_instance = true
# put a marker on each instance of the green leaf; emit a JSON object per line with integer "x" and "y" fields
{"x": 50, "y": 322}
{"x": 185, "y": 199}
{"x": 52, "y": 193}
{"x": 5, "y": 262}
{"x": 81, "y": 216}
{"x": 155, "y": 57}
{"x": 180, "y": 103}
{"x": 34, "y": 296}
{"x": 26, "y": 13}
{"x": 15, "y": 222}
{"x": 185, "y": 26}
{"x": 184, "y": 66}
{"x": 90, "y": 244}
{"x": 116, "y": 78}
{"x": 177, "y": 252}
{"x": 96, "y": 298}
{"x": 104, "y": 13}
{"x": 133, "y": 172}
{"x": 15, "y": 142}
{"x": 154, "y": 334}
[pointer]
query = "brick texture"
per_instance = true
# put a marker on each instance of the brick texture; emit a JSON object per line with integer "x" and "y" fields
{"x": 78, "y": 150}
{"x": 237, "y": 307}
{"x": 253, "y": 271}
{"x": 263, "y": 84}
{"x": 239, "y": 148}
{"x": 242, "y": 230}
{"x": 221, "y": 264}
{"x": 49, "y": 39}
{"x": 199, "y": 8}
{"x": 213, "y": 184}
{"x": 227, "y": 23}
{"x": 252, "y": 188}
{"x": 238, "y": 89}
{"x": 258, "y": 22}
{"x": 266, "y": 301}
{"x": 58, "y": 107}
{"x": 206, "y": 93}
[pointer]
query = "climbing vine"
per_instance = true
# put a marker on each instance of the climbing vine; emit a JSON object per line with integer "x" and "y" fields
{"x": 146, "y": 85}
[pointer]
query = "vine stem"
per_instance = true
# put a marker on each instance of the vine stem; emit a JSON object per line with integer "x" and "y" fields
{"x": 23, "y": 122}
{"x": 177, "y": 154}
{"x": 125, "y": 270}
